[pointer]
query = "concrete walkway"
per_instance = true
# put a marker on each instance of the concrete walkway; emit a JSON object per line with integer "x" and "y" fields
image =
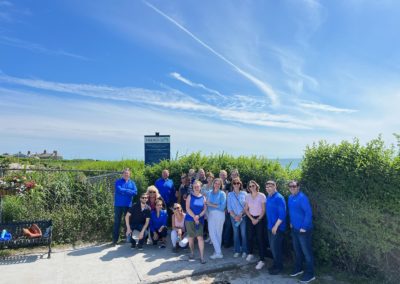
{"x": 121, "y": 264}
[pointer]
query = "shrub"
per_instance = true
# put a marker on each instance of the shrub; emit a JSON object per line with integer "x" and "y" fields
{"x": 355, "y": 193}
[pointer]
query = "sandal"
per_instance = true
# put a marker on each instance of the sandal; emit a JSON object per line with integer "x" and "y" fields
{"x": 191, "y": 257}
{"x": 202, "y": 261}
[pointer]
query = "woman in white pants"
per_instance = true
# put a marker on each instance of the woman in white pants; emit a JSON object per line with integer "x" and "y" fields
{"x": 216, "y": 204}
{"x": 178, "y": 228}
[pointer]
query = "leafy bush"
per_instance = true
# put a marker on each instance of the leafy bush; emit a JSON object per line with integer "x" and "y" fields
{"x": 257, "y": 168}
{"x": 355, "y": 193}
{"x": 80, "y": 211}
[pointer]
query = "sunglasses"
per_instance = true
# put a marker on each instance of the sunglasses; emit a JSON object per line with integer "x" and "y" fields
{"x": 143, "y": 197}
{"x": 236, "y": 183}
{"x": 176, "y": 208}
{"x": 292, "y": 186}
{"x": 252, "y": 185}
{"x": 152, "y": 192}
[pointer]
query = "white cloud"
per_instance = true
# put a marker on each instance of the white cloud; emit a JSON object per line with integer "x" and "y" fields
{"x": 264, "y": 87}
{"x": 292, "y": 67}
{"x": 15, "y": 42}
{"x": 36, "y": 122}
{"x": 156, "y": 98}
{"x": 324, "y": 107}
{"x": 179, "y": 77}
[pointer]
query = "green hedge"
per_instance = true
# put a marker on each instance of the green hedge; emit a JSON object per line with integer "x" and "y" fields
{"x": 354, "y": 190}
{"x": 355, "y": 194}
{"x": 83, "y": 211}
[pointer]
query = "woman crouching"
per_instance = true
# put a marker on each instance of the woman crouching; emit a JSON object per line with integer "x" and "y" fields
{"x": 158, "y": 224}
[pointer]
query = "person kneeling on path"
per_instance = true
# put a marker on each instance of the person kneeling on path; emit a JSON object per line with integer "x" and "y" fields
{"x": 158, "y": 224}
{"x": 178, "y": 228}
{"x": 138, "y": 219}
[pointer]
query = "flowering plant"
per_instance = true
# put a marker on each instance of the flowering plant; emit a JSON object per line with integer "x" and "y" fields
{"x": 16, "y": 184}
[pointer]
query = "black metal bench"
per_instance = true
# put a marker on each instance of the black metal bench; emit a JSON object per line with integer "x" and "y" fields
{"x": 19, "y": 240}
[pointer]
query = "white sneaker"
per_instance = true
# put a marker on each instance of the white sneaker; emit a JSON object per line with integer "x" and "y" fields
{"x": 236, "y": 254}
{"x": 244, "y": 255}
{"x": 216, "y": 255}
{"x": 260, "y": 265}
{"x": 250, "y": 257}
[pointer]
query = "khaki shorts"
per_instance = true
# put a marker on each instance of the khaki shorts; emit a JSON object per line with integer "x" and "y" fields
{"x": 192, "y": 231}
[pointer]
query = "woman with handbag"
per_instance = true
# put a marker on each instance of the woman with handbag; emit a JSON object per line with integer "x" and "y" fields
{"x": 236, "y": 204}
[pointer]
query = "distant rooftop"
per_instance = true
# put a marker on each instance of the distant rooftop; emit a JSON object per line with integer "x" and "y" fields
{"x": 45, "y": 155}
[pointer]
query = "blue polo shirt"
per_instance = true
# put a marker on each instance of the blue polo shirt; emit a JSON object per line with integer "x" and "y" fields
{"x": 166, "y": 189}
{"x": 300, "y": 211}
{"x": 124, "y": 191}
{"x": 276, "y": 209}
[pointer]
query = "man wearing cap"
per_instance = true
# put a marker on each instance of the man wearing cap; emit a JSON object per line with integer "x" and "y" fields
{"x": 125, "y": 190}
{"x": 276, "y": 225}
{"x": 301, "y": 226}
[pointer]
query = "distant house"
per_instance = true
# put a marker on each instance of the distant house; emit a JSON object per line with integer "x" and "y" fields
{"x": 20, "y": 155}
{"x": 54, "y": 155}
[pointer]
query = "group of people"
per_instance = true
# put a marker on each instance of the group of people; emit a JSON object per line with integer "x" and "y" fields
{"x": 221, "y": 209}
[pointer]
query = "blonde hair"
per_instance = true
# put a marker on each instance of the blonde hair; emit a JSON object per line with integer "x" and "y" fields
{"x": 153, "y": 188}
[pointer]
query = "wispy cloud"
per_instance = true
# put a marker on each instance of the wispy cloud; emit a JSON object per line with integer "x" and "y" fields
{"x": 169, "y": 100}
{"x": 264, "y": 87}
{"x": 324, "y": 107}
{"x": 15, "y": 42}
{"x": 179, "y": 77}
{"x": 291, "y": 66}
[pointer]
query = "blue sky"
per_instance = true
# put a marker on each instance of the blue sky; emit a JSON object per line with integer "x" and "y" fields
{"x": 91, "y": 78}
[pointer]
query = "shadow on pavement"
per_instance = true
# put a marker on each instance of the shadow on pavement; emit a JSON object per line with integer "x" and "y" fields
{"x": 19, "y": 259}
{"x": 88, "y": 250}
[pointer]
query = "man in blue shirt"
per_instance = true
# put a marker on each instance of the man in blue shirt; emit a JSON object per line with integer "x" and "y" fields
{"x": 167, "y": 191}
{"x": 125, "y": 190}
{"x": 301, "y": 226}
{"x": 276, "y": 225}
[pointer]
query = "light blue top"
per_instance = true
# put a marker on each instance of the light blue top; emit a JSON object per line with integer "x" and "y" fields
{"x": 217, "y": 198}
{"x": 236, "y": 202}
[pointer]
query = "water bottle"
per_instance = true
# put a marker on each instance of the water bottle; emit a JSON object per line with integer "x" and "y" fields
{"x": 3, "y": 234}
{"x": 128, "y": 238}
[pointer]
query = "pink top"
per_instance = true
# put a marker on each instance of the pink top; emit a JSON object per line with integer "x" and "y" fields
{"x": 180, "y": 224}
{"x": 256, "y": 204}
